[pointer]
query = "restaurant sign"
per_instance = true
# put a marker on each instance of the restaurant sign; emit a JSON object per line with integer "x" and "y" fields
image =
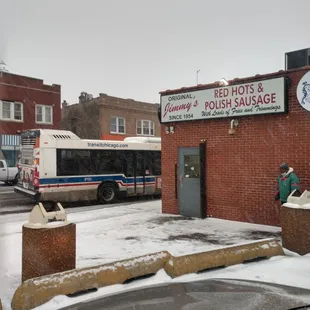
{"x": 262, "y": 97}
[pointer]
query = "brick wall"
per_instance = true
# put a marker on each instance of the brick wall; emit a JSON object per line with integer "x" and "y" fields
{"x": 130, "y": 110}
{"x": 242, "y": 169}
{"x": 29, "y": 91}
{"x": 92, "y": 118}
{"x": 82, "y": 119}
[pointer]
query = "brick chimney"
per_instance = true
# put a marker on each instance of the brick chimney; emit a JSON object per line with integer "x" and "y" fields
{"x": 64, "y": 104}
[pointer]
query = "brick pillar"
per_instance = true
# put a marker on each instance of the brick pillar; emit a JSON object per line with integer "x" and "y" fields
{"x": 295, "y": 223}
{"x": 48, "y": 250}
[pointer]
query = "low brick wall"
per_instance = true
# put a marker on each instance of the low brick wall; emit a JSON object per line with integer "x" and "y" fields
{"x": 295, "y": 223}
{"x": 48, "y": 251}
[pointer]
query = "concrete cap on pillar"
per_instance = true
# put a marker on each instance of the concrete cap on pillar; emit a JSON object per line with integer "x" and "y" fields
{"x": 40, "y": 218}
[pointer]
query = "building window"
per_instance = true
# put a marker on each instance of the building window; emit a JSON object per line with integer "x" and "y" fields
{"x": 11, "y": 111}
{"x": 44, "y": 114}
{"x": 117, "y": 125}
{"x": 145, "y": 128}
{"x": 18, "y": 111}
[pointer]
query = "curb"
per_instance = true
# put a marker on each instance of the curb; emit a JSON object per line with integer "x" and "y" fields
{"x": 178, "y": 266}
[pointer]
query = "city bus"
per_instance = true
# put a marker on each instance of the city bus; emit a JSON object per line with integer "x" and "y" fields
{"x": 58, "y": 166}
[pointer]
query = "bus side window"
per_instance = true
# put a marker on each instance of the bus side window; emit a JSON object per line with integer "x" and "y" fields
{"x": 119, "y": 165}
{"x": 148, "y": 163}
{"x": 128, "y": 163}
{"x": 108, "y": 162}
{"x": 82, "y": 162}
{"x": 65, "y": 163}
{"x": 157, "y": 162}
{"x": 94, "y": 161}
{"x": 140, "y": 162}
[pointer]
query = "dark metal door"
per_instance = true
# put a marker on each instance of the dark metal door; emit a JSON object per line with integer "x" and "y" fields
{"x": 189, "y": 181}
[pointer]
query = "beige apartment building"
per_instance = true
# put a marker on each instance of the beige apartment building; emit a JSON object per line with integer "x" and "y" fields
{"x": 110, "y": 118}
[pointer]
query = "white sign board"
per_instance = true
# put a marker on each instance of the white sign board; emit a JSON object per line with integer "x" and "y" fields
{"x": 262, "y": 97}
{"x": 303, "y": 91}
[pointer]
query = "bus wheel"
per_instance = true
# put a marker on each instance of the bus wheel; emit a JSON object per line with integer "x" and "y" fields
{"x": 107, "y": 193}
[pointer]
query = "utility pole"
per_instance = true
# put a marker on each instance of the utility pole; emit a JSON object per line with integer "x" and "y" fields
{"x": 197, "y": 73}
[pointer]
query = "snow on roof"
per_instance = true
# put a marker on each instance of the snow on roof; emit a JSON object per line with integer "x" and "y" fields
{"x": 236, "y": 80}
{"x": 143, "y": 139}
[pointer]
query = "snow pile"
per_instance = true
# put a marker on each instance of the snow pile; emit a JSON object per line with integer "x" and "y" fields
{"x": 306, "y": 206}
{"x": 46, "y": 280}
{"x": 149, "y": 259}
{"x": 119, "y": 232}
{"x": 296, "y": 206}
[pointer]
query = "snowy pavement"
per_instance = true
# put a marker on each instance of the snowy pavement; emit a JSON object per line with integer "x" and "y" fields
{"x": 11, "y": 202}
{"x": 110, "y": 234}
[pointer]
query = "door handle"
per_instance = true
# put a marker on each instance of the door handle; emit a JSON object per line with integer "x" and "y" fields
{"x": 3, "y": 169}
{"x": 181, "y": 179}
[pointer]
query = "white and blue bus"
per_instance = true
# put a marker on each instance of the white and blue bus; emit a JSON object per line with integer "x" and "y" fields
{"x": 58, "y": 166}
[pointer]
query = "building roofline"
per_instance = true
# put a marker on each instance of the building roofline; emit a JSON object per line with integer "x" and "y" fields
{"x": 123, "y": 99}
{"x": 233, "y": 81}
{"x": 29, "y": 78}
{"x": 96, "y": 100}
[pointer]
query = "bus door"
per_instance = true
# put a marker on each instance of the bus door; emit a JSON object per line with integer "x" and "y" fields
{"x": 139, "y": 173}
{"x": 149, "y": 172}
{"x": 145, "y": 177}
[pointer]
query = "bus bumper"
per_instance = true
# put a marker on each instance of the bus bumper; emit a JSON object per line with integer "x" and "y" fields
{"x": 26, "y": 192}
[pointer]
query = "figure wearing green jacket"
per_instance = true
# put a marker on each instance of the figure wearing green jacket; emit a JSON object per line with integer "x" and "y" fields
{"x": 287, "y": 183}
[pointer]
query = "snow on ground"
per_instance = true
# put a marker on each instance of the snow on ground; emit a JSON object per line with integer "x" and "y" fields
{"x": 128, "y": 230}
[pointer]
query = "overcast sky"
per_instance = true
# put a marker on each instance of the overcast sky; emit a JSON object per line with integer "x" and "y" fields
{"x": 134, "y": 49}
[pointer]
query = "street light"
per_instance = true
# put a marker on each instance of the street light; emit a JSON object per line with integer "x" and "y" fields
{"x": 224, "y": 82}
{"x": 197, "y": 72}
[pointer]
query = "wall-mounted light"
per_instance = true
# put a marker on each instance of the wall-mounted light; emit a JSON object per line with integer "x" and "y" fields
{"x": 224, "y": 82}
{"x": 169, "y": 129}
{"x": 233, "y": 123}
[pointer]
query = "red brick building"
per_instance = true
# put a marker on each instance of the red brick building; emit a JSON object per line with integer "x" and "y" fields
{"x": 25, "y": 103}
{"x": 222, "y": 145}
{"x": 111, "y": 118}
